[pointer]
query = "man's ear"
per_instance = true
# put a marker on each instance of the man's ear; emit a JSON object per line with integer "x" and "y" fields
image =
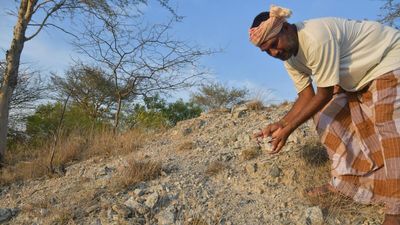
{"x": 285, "y": 26}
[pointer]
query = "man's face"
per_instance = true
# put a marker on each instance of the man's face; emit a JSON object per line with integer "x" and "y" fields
{"x": 282, "y": 46}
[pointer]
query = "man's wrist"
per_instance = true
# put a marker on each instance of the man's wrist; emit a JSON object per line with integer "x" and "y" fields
{"x": 283, "y": 122}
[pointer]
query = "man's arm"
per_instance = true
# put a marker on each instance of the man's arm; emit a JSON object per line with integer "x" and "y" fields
{"x": 307, "y": 105}
{"x": 304, "y": 97}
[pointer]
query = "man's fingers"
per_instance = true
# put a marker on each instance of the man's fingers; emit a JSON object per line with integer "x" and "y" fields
{"x": 258, "y": 134}
{"x": 277, "y": 146}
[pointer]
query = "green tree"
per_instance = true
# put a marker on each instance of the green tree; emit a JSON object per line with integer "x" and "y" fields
{"x": 181, "y": 110}
{"x": 35, "y": 15}
{"x": 156, "y": 113}
{"x": 216, "y": 95}
{"x": 89, "y": 87}
{"x": 44, "y": 122}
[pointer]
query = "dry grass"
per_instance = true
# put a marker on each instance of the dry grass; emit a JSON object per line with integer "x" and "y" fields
{"x": 134, "y": 172}
{"x": 215, "y": 168}
{"x": 25, "y": 162}
{"x": 250, "y": 153}
{"x": 314, "y": 171}
{"x": 185, "y": 146}
{"x": 196, "y": 221}
{"x": 219, "y": 110}
{"x": 314, "y": 154}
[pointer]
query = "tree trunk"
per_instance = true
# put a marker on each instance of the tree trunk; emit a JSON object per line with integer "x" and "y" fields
{"x": 13, "y": 56}
{"x": 117, "y": 114}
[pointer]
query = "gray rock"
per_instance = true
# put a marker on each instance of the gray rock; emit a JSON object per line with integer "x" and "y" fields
{"x": 96, "y": 222}
{"x": 92, "y": 208}
{"x": 238, "y": 114}
{"x": 7, "y": 214}
{"x": 275, "y": 171}
{"x": 44, "y": 212}
{"x": 202, "y": 123}
{"x": 167, "y": 216}
{"x": 251, "y": 168}
{"x": 136, "y": 206}
{"x": 122, "y": 210}
{"x": 151, "y": 200}
{"x": 138, "y": 192}
{"x": 314, "y": 216}
{"x": 240, "y": 108}
{"x": 187, "y": 131}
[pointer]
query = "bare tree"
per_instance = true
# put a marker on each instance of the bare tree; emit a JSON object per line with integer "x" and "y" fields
{"x": 141, "y": 59}
{"x": 29, "y": 90}
{"x": 35, "y": 15}
{"x": 391, "y": 13}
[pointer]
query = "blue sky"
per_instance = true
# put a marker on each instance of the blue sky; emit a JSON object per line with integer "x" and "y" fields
{"x": 211, "y": 24}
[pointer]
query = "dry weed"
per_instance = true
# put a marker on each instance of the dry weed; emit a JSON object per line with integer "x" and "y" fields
{"x": 25, "y": 162}
{"x": 250, "y": 153}
{"x": 134, "y": 172}
{"x": 314, "y": 170}
{"x": 185, "y": 146}
{"x": 199, "y": 220}
{"x": 313, "y": 153}
{"x": 196, "y": 221}
{"x": 215, "y": 168}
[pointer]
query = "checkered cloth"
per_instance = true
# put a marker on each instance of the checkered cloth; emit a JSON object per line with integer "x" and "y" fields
{"x": 270, "y": 27}
{"x": 361, "y": 132}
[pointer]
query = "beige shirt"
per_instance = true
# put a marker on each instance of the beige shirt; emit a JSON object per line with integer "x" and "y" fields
{"x": 345, "y": 52}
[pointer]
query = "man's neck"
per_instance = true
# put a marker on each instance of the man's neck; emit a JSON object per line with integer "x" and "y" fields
{"x": 293, "y": 30}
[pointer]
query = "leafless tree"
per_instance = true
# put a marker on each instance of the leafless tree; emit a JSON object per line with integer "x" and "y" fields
{"x": 35, "y": 15}
{"x": 141, "y": 59}
{"x": 30, "y": 89}
{"x": 390, "y": 12}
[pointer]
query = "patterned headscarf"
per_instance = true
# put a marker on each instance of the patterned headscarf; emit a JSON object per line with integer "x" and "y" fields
{"x": 270, "y": 27}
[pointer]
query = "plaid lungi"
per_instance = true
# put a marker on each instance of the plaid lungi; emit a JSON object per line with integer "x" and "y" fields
{"x": 361, "y": 132}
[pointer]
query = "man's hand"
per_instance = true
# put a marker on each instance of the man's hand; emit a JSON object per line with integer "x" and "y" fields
{"x": 268, "y": 130}
{"x": 279, "y": 138}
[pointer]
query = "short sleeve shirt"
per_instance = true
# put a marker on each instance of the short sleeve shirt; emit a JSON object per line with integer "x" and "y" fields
{"x": 349, "y": 53}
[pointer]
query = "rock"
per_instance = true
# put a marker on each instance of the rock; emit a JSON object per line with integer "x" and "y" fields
{"x": 138, "y": 192}
{"x": 187, "y": 131}
{"x": 239, "y": 108}
{"x": 202, "y": 123}
{"x": 252, "y": 168}
{"x": 44, "y": 212}
{"x": 136, "y": 206}
{"x": 7, "y": 214}
{"x": 96, "y": 222}
{"x": 122, "y": 210}
{"x": 275, "y": 171}
{"x": 152, "y": 200}
{"x": 314, "y": 216}
{"x": 167, "y": 216}
{"x": 92, "y": 208}
{"x": 238, "y": 114}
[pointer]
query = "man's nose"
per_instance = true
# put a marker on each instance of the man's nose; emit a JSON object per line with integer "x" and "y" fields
{"x": 274, "y": 52}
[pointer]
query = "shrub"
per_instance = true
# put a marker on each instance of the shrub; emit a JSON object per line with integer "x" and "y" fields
{"x": 155, "y": 113}
{"x": 216, "y": 95}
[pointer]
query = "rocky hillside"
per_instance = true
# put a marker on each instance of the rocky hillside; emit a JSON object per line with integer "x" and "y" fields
{"x": 211, "y": 172}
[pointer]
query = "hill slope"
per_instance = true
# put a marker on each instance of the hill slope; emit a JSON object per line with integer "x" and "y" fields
{"x": 212, "y": 172}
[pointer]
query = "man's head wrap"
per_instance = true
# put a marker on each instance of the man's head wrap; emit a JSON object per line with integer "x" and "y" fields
{"x": 270, "y": 27}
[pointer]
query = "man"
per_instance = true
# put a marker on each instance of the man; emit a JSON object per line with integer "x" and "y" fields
{"x": 356, "y": 69}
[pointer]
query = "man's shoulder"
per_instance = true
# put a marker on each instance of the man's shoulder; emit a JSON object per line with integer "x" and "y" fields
{"x": 324, "y": 21}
